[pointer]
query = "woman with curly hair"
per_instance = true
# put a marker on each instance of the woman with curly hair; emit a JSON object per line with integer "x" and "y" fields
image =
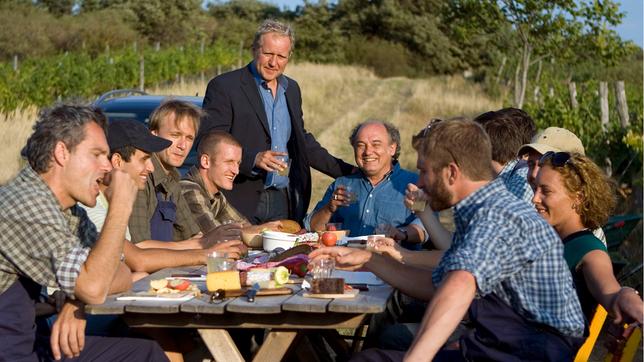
{"x": 575, "y": 197}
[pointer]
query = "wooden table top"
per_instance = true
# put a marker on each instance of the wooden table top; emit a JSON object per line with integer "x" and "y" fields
{"x": 366, "y": 302}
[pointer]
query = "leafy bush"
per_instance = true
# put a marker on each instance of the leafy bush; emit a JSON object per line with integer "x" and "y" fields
{"x": 617, "y": 148}
{"x": 79, "y": 75}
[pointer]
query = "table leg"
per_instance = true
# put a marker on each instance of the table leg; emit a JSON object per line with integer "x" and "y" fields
{"x": 275, "y": 345}
{"x": 221, "y": 345}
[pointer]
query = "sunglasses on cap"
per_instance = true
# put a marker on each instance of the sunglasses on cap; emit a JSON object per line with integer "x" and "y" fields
{"x": 559, "y": 159}
{"x": 431, "y": 123}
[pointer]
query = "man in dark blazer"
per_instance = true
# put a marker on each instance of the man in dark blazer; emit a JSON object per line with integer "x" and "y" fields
{"x": 262, "y": 109}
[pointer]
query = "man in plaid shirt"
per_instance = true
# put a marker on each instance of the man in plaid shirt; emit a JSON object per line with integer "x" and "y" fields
{"x": 505, "y": 266}
{"x": 218, "y": 164}
{"x": 47, "y": 240}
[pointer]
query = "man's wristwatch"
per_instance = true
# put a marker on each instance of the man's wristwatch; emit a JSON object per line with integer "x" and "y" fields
{"x": 406, "y": 235}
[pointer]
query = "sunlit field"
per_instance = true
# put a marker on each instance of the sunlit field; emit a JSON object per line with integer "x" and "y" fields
{"x": 335, "y": 99}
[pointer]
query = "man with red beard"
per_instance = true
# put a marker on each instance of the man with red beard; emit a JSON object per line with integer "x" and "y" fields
{"x": 502, "y": 252}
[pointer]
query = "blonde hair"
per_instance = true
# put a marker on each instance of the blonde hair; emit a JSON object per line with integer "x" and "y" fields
{"x": 180, "y": 109}
{"x": 582, "y": 177}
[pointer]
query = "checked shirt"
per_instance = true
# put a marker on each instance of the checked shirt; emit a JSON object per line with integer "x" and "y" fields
{"x": 38, "y": 240}
{"x": 515, "y": 177}
{"x": 514, "y": 253}
{"x": 209, "y": 211}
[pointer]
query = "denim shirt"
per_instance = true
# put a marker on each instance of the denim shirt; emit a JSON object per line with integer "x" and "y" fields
{"x": 512, "y": 252}
{"x": 279, "y": 121}
{"x": 380, "y": 204}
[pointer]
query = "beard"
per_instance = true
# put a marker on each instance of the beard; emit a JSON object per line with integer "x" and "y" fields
{"x": 439, "y": 196}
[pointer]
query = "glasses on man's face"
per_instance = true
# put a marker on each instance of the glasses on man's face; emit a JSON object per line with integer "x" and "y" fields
{"x": 430, "y": 124}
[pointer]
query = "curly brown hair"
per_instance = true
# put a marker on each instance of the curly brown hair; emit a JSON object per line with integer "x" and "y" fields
{"x": 581, "y": 176}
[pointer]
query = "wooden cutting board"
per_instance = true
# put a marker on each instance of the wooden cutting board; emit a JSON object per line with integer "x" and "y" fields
{"x": 261, "y": 292}
{"x": 347, "y": 295}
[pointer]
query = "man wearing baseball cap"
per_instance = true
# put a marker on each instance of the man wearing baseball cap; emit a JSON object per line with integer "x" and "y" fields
{"x": 552, "y": 139}
{"x": 131, "y": 144}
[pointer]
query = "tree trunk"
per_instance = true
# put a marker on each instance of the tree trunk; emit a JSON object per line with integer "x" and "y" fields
{"x": 517, "y": 84}
{"x": 622, "y": 106}
{"x": 498, "y": 74}
{"x": 603, "y": 104}
{"x": 521, "y": 75}
{"x": 572, "y": 88}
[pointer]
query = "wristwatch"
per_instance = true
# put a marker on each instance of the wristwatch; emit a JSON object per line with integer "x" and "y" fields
{"x": 404, "y": 231}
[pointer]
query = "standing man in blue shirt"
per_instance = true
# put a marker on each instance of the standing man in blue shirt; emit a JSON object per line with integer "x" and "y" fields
{"x": 375, "y": 195}
{"x": 262, "y": 109}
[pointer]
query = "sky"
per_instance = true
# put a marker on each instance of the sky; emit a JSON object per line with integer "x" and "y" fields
{"x": 630, "y": 29}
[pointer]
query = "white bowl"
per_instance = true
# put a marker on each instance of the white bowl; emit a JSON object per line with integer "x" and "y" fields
{"x": 276, "y": 239}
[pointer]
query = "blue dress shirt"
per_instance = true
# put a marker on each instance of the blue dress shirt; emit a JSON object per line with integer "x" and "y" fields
{"x": 380, "y": 204}
{"x": 279, "y": 121}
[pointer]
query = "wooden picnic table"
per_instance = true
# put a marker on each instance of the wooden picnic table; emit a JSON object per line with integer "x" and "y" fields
{"x": 285, "y": 316}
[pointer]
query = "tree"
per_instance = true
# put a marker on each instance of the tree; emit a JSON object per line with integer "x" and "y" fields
{"x": 414, "y": 24}
{"x": 170, "y": 21}
{"x": 565, "y": 30}
{"x": 58, "y": 7}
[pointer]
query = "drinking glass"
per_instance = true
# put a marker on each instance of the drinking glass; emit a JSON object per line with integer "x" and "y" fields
{"x": 285, "y": 171}
{"x": 323, "y": 268}
{"x": 217, "y": 261}
{"x": 351, "y": 195}
{"x": 419, "y": 201}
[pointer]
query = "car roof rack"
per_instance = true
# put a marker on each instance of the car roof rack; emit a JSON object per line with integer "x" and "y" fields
{"x": 119, "y": 93}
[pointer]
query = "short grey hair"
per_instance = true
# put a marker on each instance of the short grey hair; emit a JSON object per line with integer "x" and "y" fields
{"x": 273, "y": 26}
{"x": 66, "y": 123}
{"x": 392, "y": 131}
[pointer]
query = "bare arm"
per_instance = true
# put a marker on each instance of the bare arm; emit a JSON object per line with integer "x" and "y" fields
{"x": 171, "y": 245}
{"x": 151, "y": 260}
{"x": 100, "y": 268}
{"x": 335, "y": 198}
{"x": 122, "y": 279}
{"x": 443, "y": 314}
{"x": 441, "y": 237}
{"x": 427, "y": 259}
{"x": 598, "y": 273}
{"x": 413, "y": 281}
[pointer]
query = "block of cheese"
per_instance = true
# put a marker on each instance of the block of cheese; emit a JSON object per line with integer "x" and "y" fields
{"x": 327, "y": 286}
{"x": 226, "y": 280}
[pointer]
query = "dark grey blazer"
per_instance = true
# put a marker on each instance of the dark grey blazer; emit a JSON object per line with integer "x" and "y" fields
{"x": 233, "y": 104}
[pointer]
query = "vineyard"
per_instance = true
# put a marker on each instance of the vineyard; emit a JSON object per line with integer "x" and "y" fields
{"x": 42, "y": 81}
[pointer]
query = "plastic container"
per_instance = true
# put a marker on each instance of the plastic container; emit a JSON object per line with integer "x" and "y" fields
{"x": 276, "y": 239}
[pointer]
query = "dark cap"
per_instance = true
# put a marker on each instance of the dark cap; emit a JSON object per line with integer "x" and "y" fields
{"x": 135, "y": 134}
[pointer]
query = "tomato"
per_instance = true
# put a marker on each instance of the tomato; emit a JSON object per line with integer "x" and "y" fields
{"x": 179, "y": 284}
{"x": 329, "y": 239}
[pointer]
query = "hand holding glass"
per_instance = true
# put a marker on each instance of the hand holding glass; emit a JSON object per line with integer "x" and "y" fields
{"x": 284, "y": 171}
